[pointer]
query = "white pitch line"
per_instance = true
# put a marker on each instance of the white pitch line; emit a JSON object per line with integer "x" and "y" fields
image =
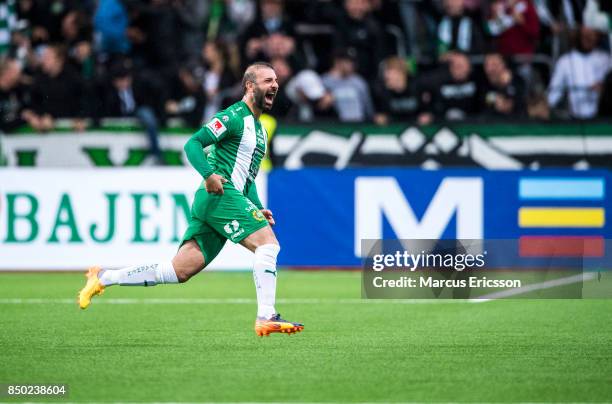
{"x": 485, "y": 298}
{"x": 229, "y": 301}
{"x": 535, "y": 286}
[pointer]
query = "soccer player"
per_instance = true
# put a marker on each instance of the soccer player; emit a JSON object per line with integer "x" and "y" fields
{"x": 226, "y": 206}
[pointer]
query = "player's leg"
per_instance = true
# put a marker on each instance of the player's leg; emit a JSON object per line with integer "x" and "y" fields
{"x": 200, "y": 245}
{"x": 235, "y": 217}
{"x": 264, "y": 244}
{"x": 187, "y": 262}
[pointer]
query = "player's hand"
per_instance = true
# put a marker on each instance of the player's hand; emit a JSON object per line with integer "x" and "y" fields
{"x": 268, "y": 215}
{"x": 214, "y": 184}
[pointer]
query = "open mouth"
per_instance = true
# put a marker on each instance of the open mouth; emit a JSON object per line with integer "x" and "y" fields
{"x": 270, "y": 97}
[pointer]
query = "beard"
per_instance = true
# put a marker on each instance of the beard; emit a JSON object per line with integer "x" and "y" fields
{"x": 263, "y": 99}
{"x": 259, "y": 98}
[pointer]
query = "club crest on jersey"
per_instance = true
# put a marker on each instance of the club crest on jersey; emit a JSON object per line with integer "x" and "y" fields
{"x": 216, "y": 127}
{"x": 257, "y": 215}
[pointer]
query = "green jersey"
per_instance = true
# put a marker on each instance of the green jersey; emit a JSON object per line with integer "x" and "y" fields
{"x": 238, "y": 145}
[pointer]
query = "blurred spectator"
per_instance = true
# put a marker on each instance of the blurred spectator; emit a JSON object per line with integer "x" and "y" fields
{"x": 271, "y": 19}
{"x": 283, "y": 106}
{"x": 537, "y": 107}
{"x": 598, "y": 16}
{"x": 47, "y": 17}
{"x": 138, "y": 34}
{"x": 350, "y": 92}
{"x": 300, "y": 96}
{"x": 504, "y": 92}
{"x": 580, "y": 73}
{"x": 241, "y": 13}
{"x": 229, "y": 18}
{"x": 192, "y": 16}
{"x": 76, "y": 28}
{"x": 409, "y": 14}
{"x": 458, "y": 31}
{"x": 186, "y": 54}
{"x": 282, "y": 46}
{"x": 560, "y": 14}
{"x": 516, "y": 26}
{"x": 270, "y": 35}
{"x": 13, "y": 95}
{"x": 21, "y": 46}
{"x": 8, "y": 24}
{"x": 451, "y": 93}
{"x": 77, "y": 35}
{"x": 357, "y": 30}
{"x": 130, "y": 95}
{"x": 31, "y": 16}
{"x": 163, "y": 29}
{"x": 219, "y": 75}
{"x": 26, "y": 10}
{"x": 186, "y": 97}
{"x": 154, "y": 32}
{"x": 395, "y": 94}
{"x": 395, "y": 36}
{"x": 57, "y": 92}
{"x": 111, "y": 24}
{"x": 307, "y": 92}
{"x": 558, "y": 19}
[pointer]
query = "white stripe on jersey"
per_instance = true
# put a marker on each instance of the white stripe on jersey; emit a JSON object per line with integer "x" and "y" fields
{"x": 265, "y": 134}
{"x": 248, "y": 142}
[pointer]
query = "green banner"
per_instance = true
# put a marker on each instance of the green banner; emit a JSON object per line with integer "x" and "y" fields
{"x": 492, "y": 146}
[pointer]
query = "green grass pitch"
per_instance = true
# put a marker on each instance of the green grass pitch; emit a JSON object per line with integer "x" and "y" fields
{"x": 189, "y": 350}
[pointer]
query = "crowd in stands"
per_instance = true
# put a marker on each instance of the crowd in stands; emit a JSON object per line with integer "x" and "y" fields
{"x": 379, "y": 61}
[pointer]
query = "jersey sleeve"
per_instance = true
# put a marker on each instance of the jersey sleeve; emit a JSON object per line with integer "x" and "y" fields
{"x": 211, "y": 133}
{"x": 218, "y": 128}
{"x": 194, "y": 150}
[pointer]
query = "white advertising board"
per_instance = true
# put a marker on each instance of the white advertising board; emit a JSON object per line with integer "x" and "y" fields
{"x": 68, "y": 219}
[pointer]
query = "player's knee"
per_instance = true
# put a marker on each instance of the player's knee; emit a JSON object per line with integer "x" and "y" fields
{"x": 183, "y": 276}
{"x": 270, "y": 245}
{"x": 186, "y": 269}
{"x": 270, "y": 238}
{"x": 270, "y": 250}
{"x": 272, "y": 241}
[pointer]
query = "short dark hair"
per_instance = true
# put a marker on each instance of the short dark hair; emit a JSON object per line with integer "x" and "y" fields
{"x": 249, "y": 73}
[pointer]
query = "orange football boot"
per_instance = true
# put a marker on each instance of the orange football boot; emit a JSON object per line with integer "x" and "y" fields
{"x": 92, "y": 288}
{"x": 276, "y": 324}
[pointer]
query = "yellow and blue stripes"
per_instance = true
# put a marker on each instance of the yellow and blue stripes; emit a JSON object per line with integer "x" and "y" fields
{"x": 586, "y": 210}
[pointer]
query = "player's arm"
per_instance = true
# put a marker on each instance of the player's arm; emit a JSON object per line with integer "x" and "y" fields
{"x": 209, "y": 134}
{"x": 195, "y": 154}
